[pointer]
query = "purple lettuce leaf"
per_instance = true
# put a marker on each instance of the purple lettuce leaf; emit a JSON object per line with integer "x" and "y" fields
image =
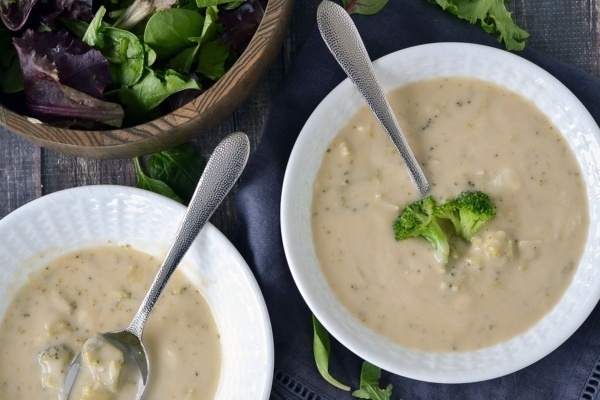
{"x": 79, "y": 65}
{"x": 241, "y": 23}
{"x": 51, "y": 100}
{"x": 76, "y": 10}
{"x": 14, "y": 13}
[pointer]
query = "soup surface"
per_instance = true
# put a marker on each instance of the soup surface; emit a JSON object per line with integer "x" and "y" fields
{"x": 99, "y": 290}
{"x": 468, "y": 135}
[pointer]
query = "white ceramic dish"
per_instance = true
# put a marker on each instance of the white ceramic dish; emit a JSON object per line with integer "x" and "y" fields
{"x": 92, "y": 215}
{"x": 395, "y": 70}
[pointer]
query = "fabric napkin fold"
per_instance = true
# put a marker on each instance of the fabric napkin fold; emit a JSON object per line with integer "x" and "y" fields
{"x": 570, "y": 372}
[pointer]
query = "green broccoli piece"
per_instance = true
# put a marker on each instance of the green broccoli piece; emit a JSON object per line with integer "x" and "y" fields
{"x": 468, "y": 213}
{"x": 418, "y": 219}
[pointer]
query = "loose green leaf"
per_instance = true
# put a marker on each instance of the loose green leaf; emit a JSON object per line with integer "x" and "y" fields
{"x": 322, "y": 350}
{"x": 212, "y": 59}
{"x": 364, "y": 7}
{"x": 168, "y": 32}
{"x": 152, "y": 89}
{"x": 180, "y": 168}
{"x": 209, "y": 3}
{"x": 369, "y": 384}
{"x": 493, "y": 17}
{"x": 153, "y": 185}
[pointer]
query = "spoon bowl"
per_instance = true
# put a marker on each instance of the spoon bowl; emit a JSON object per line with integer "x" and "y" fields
{"x": 222, "y": 171}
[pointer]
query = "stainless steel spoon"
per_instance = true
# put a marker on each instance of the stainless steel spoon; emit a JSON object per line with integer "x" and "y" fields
{"x": 222, "y": 170}
{"x": 344, "y": 42}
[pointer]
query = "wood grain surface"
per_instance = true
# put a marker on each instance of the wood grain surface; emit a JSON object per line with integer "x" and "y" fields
{"x": 566, "y": 29}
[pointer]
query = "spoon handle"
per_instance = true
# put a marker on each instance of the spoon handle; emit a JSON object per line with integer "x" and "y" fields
{"x": 344, "y": 42}
{"x": 222, "y": 171}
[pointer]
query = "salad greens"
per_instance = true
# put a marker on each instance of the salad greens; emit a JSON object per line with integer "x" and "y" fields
{"x": 369, "y": 375}
{"x": 129, "y": 62}
{"x": 369, "y": 384}
{"x": 173, "y": 173}
{"x": 322, "y": 350}
{"x": 180, "y": 168}
{"x": 493, "y": 17}
{"x": 153, "y": 185}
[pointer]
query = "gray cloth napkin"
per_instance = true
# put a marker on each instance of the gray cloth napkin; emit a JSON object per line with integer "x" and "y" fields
{"x": 570, "y": 372}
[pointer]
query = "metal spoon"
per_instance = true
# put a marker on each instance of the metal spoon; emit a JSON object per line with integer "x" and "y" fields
{"x": 344, "y": 42}
{"x": 223, "y": 169}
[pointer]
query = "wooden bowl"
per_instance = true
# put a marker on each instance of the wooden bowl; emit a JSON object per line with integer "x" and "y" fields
{"x": 180, "y": 125}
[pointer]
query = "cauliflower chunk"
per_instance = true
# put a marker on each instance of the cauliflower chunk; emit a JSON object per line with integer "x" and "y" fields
{"x": 104, "y": 362}
{"x": 495, "y": 244}
{"x": 54, "y": 361}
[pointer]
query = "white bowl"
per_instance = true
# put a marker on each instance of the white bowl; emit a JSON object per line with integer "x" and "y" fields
{"x": 78, "y": 218}
{"x": 395, "y": 70}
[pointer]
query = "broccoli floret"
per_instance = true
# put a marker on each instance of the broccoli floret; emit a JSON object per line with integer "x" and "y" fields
{"x": 418, "y": 219}
{"x": 468, "y": 212}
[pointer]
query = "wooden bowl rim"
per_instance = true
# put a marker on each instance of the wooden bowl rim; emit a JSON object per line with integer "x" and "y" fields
{"x": 117, "y": 142}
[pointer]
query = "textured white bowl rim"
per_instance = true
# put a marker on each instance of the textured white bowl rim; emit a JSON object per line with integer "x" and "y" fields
{"x": 395, "y": 70}
{"x": 93, "y": 215}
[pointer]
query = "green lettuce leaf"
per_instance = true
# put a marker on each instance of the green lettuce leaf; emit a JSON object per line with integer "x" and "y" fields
{"x": 493, "y": 17}
{"x": 369, "y": 384}
{"x": 152, "y": 89}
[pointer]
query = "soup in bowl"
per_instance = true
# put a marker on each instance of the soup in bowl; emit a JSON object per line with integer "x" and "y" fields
{"x": 513, "y": 293}
{"x": 79, "y": 262}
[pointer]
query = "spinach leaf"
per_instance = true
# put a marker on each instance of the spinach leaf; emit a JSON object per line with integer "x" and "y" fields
{"x": 212, "y": 58}
{"x": 123, "y": 49}
{"x": 153, "y": 185}
{"x": 364, "y": 7}
{"x": 209, "y": 3}
{"x": 180, "y": 168}
{"x": 152, "y": 89}
{"x": 126, "y": 55}
{"x": 185, "y": 60}
{"x": 167, "y": 32}
{"x": 321, "y": 350}
{"x": 369, "y": 384}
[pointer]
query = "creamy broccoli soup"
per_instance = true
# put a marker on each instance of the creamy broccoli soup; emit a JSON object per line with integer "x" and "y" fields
{"x": 468, "y": 135}
{"x": 63, "y": 305}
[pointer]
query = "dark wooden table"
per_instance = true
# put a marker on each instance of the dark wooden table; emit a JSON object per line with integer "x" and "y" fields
{"x": 566, "y": 29}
